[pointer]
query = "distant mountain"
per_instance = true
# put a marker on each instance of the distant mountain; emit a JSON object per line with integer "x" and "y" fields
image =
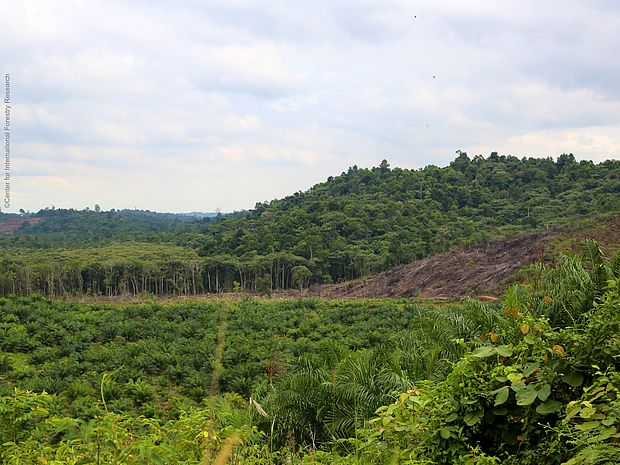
{"x": 201, "y": 214}
{"x": 74, "y": 228}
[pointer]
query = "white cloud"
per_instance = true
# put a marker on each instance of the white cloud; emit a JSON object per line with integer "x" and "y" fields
{"x": 226, "y": 103}
{"x": 594, "y": 143}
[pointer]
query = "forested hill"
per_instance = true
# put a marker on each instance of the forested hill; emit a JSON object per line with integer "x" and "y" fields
{"x": 353, "y": 225}
{"x": 367, "y": 220}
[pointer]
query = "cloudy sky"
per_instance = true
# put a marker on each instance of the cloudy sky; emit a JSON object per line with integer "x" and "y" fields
{"x": 205, "y": 104}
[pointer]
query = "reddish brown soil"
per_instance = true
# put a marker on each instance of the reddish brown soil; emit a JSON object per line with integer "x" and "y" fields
{"x": 482, "y": 269}
{"x": 11, "y": 225}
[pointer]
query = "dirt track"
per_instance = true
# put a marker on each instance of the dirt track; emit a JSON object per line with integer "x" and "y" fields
{"x": 482, "y": 269}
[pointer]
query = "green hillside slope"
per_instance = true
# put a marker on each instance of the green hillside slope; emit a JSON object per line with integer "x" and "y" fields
{"x": 367, "y": 220}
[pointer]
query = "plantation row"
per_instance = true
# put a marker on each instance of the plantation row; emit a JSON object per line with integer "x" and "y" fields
{"x": 532, "y": 379}
{"x": 65, "y": 347}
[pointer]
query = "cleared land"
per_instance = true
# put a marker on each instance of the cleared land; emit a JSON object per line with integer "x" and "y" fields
{"x": 482, "y": 269}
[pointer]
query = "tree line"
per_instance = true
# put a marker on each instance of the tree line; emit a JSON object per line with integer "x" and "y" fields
{"x": 158, "y": 269}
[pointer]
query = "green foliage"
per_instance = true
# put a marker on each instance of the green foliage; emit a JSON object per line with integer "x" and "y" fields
{"x": 353, "y": 225}
{"x": 152, "y": 349}
{"x": 543, "y": 394}
{"x": 592, "y": 422}
{"x": 366, "y": 220}
{"x": 533, "y": 378}
{"x": 78, "y": 228}
{"x": 332, "y": 394}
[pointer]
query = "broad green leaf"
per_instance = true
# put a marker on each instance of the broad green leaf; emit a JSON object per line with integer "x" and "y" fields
{"x": 517, "y": 387}
{"x": 156, "y": 459}
{"x": 574, "y": 379}
{"x": 502, "y": 396}
{"x": 544, "y": 392}
{"x": 473, "y": 417}
{"x": 572, "y": 409}
{"x": 526, "y": 396}
{"x": 62, "y": 424}
{"x": 483, "y": 352}
{"x": 450, "y": 418}
{"x": 504, "y": 351}
{"x": 549, "y": 406}
{"x": 531, "y": 368}
{"x": 445, "y": 432}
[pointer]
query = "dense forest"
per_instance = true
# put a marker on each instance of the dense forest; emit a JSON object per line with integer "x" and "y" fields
{"x": 353, "y": 225}
{"x": 532, "y": 378}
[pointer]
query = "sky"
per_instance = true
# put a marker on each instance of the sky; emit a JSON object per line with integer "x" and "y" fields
{"x": 198, "y": 105}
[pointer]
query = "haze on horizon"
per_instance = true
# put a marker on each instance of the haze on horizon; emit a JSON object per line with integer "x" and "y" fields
{"x": 193, "y": 106}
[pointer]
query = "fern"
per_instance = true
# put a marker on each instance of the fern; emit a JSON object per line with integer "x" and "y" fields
{"x": 614, "y": 265}
{"x": 597, "y": 454}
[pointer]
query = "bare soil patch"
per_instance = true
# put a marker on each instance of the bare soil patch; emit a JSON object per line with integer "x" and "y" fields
{"x": 11, "y": 225}
{"x": 482, "y": 270}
